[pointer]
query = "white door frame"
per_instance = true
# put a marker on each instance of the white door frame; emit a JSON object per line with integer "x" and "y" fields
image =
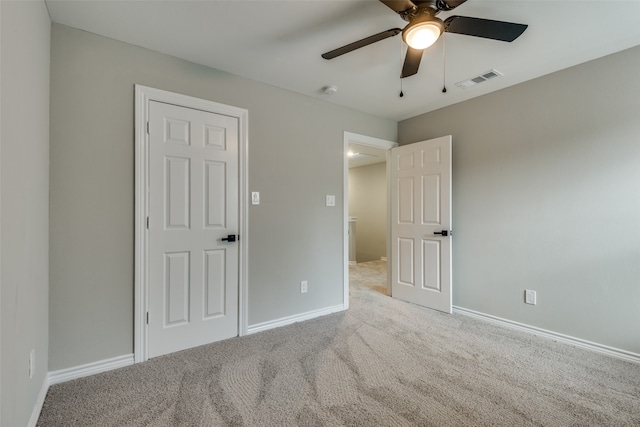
{"x": 143, "y": 96}
{"x": 371, "y": 142}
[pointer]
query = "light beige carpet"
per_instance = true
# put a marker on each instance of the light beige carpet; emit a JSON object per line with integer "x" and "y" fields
{"x": 382, "y": 363}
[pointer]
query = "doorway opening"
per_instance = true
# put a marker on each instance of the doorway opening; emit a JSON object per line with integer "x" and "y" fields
{"x": 366, "y": 205}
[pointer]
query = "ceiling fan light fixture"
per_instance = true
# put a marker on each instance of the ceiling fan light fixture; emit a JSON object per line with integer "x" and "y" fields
{"x": 422, "y": 34}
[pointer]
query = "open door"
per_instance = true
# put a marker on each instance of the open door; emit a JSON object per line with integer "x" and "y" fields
{"x": 421, "y": 223}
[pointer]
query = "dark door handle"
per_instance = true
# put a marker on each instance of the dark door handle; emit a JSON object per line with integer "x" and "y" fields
{"x": 443, "y": 232}
{"x": 229, "y": 238}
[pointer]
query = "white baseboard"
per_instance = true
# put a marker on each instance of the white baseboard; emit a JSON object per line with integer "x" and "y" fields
{"x": 92, "y": 368}
{"x": 37, "y": 407}
{"x": 352, "y": 262}
{"x": 264, "y": 326}
{"x": 383, "y": 258}
{"x": 567, "y": 339}
{"x": 63, "y": 375}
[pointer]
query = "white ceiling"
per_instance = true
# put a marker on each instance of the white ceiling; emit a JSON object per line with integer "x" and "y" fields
{"x": 364, "y": 155}
{"x": 280, "y": 43}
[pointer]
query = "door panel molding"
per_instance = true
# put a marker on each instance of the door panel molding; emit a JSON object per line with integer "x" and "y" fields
{"x": 143, "y": 96}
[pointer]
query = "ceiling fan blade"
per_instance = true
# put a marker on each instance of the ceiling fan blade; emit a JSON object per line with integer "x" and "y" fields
{"x": 398, "y": 5}
{"x": 449, "y": 4}
{"x": 361, "y": 43}
{"x": 487, "y": 28}
{"x": 411, "y": 62}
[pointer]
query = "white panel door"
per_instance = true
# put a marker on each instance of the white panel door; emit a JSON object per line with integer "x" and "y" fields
{"x": 420, "y": 212}
{"x": 193, "y": 204}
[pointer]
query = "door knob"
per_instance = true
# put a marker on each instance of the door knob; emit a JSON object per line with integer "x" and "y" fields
{"x": 229, "y": 238}
{"x": 444, "y": 233}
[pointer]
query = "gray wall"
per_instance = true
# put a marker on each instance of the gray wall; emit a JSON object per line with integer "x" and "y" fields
{"x": 295, "y": 159}
{"x": 24, "y": 200}
{"x": 546, "y": 179}
{"x": 368, "y": 202}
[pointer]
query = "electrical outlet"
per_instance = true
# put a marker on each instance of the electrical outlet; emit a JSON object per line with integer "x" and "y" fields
{"x": 32, "y": 363}
{"x": 303, "y": 287}
{"x": 530, "y": 297}
{"x": 330, "y": 200}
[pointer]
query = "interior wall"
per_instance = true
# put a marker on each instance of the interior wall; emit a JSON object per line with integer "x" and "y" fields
{"x": 368, "y": 203}
{"x": 545, "y": 197}
{"x": 24, "y": 198}
{"x": 295, "y": 159}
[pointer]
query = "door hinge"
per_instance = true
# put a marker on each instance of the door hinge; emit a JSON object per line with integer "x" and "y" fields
{"x": 147, "y": 223}
{"x": 147, "y": 128}
{"x": 147, "y": 317}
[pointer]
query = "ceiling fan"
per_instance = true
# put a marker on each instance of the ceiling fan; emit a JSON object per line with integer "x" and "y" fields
{"x": 424, "y": 29}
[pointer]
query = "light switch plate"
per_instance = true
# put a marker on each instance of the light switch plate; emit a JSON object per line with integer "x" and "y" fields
{"x": 530, "y": 297}
{"x": 255, "y": 198}
{"x": 331, "y": 200}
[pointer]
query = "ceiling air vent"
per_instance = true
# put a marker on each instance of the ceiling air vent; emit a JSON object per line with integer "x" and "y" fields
{"x": 479, "y": 79}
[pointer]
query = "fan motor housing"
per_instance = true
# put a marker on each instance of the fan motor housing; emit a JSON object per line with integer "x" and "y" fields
{"x": 424, "y": 9}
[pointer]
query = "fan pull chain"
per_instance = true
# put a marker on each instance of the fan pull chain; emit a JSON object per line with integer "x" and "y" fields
{"x": 401, "y": 61}
{"x": 444, "y": 63}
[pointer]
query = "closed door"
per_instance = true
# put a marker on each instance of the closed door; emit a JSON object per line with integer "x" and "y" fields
{"x": 193, "y": 205}
{"x": 421, "y": 223}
